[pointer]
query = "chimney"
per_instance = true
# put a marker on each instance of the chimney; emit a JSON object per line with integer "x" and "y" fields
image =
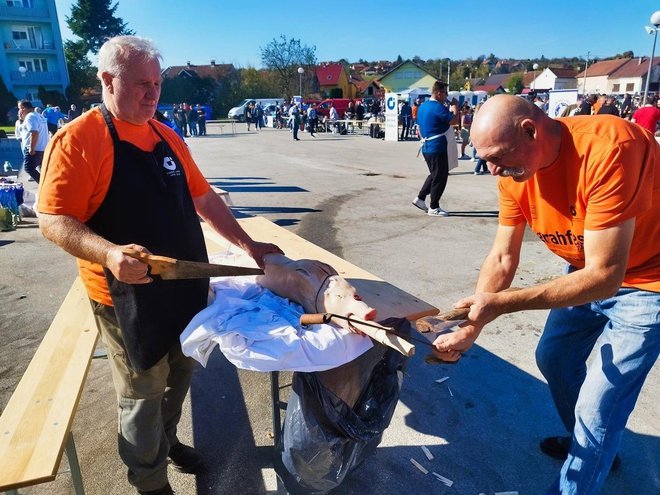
{"x": 212, "y": 62}
{"x": 188, "y": 63}
{"x": 639, "y": 62}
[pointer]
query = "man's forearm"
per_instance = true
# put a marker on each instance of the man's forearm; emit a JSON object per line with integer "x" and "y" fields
{"x": 75, "y": 237}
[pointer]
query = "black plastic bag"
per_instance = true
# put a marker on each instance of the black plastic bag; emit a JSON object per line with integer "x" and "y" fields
{"x": 336, "y": 418}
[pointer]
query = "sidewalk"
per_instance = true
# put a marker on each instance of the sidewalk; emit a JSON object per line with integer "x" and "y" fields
{"x": 350, "y": 195}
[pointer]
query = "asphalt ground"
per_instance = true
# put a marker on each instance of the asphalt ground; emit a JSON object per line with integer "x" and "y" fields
{"x": 350, "y": 195}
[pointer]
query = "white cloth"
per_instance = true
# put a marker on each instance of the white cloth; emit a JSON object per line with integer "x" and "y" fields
{"x": 260, "y": 331}
{"x": 34, "y": 122}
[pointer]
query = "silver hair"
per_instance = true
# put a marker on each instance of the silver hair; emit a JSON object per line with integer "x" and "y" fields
{"x": 115, "y": 52}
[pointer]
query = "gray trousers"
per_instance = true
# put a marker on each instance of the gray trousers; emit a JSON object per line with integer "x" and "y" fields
{"x": 149, "y": 404}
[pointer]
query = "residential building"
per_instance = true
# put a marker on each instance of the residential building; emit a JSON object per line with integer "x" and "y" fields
{"x": 551, "y": 78}
{"x": 596, "y": 79}
{"x": 631, "y": 76}
{"x": 333, "y": 80}
{"x": 407, "y": 75}
{"x": 32, "y": 53}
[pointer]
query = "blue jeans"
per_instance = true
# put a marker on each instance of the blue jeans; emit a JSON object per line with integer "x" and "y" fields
{"x": 595, "y": 400}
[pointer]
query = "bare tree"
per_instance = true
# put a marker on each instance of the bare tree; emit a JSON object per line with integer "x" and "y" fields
{"x": 284, "y": 57}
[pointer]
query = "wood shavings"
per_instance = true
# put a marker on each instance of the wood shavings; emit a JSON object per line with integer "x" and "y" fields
{"x": 443, "y": 379}
{"x": 419, "y": 466}
{"x": 427, "y": 453}
{"x": 444, "y": 480}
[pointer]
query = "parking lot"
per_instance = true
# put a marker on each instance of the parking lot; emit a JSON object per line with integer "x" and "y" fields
{"x": 350, "y": 195}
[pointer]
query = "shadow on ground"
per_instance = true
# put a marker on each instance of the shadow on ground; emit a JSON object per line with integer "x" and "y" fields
{"x": 488, "y": 410}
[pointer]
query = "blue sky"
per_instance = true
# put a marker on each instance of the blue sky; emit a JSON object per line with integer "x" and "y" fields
{"x": 232, "y": 31}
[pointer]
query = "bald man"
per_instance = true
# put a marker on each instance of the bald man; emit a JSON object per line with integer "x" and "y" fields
{"x": 589, "y": 188}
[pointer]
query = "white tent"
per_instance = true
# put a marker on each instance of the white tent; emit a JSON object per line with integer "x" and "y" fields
{"x": 411, "y": 94}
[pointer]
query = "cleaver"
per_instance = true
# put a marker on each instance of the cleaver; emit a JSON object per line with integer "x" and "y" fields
{"x": 173, "y": 269}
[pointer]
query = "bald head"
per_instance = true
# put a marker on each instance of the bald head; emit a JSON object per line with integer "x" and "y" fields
{"x": 515, "y": 136}
{"x": 501, "y": 115}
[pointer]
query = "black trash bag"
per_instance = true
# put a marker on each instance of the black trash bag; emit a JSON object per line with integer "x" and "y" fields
{"x": 336, "y": 418}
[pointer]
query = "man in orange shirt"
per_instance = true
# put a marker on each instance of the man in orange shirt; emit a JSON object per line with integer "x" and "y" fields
{"x": 589, "y": 188}
{"x": 116, "y": 178}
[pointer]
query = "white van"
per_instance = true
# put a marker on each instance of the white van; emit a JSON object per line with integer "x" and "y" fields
{"x": 238, "y": 112}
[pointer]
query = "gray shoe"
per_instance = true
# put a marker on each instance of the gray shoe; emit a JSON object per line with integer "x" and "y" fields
{"x": 437, "y": 212}
{"x": 420, "y": 204}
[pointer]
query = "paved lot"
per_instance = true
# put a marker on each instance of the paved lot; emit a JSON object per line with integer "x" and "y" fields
{"x": 351, "y": 195}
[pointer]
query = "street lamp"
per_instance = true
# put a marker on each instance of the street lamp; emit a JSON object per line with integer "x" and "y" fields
{"x": 22, "y": 69}
{"x": 655, "y": 20}
{"x": 300, "y": 73}
{"x": 535, "y": 67}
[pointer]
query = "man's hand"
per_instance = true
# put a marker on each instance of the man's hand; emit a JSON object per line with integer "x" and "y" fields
{"x": 257, "y": 250}
{"x": 125, "y": 268}
{"x": 32, "y": 152}
{"x": 484, "y": 308}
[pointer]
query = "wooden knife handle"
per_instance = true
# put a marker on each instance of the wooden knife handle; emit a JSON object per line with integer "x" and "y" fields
{"x": 158, "y": 264}
{"x": 454, "y": 314}
{"x": 314, "y": 318}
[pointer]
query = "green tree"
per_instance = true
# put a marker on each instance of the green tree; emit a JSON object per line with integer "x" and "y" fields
{"x": 94, "y": 21}
{"x": 82, "y": 74}
{"x": 52, "y": 97}
{"x": 7, "y": 102}
{"x": 515, "y": 84}
{"x": 283, "y": 57}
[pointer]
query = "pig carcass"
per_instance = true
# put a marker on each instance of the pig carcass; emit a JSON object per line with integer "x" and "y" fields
{"x": 315, "y": 285}
{"x": 318, "y": 288}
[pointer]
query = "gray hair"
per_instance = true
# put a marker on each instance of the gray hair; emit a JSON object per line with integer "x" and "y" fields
{"x": 115, "y": 52}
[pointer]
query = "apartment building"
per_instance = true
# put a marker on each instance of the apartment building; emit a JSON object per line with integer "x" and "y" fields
{"x": 32, "y": 53}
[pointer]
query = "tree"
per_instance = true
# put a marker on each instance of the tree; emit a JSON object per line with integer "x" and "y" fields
{"x": 94, "y": 21}
{"x": 284, "y": 57}
{"x": 515, "y": 84}
{"x": 7, "y": 102}
{"x": 82, "y": 74}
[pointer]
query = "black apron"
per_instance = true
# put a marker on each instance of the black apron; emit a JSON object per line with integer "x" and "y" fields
{"x": 149, "y": 203}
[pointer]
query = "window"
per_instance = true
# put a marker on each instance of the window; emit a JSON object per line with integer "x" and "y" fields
{"x": 40, "y": 65}
{"x": 630, "y": 87}
{"x": 19, "y": 35}
{"x": 615, "y": 88}
{"x": 19, "y": 3}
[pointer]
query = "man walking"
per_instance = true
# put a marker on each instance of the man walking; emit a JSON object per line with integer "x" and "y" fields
{"x": 589, "y": 188}
{"x": 434, "y": 119}
{"x": 96, "y": 170}
{"x": 33, "y": 133}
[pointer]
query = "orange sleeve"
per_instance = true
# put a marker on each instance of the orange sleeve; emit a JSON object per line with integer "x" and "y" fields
{"x": 510, "y": 212}
{"x": 616, "y": 193}
{"x": 76, "y": 172}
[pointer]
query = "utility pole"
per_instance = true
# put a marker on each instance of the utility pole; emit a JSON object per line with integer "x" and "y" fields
{"x": 448, "y": 70}
{"x": 584, "y": 83}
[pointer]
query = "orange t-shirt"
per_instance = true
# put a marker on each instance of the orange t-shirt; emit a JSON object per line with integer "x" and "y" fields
{"x": 606, "y": 173}
{"x": 77, "y": 168}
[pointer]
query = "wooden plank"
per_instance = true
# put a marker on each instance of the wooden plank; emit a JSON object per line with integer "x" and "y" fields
{"x": 37, "y": 420}
{"x": 389, "y": 301}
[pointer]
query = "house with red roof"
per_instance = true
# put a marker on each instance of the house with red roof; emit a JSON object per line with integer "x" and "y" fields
{"x": 212, "y": 70}
{"x": 333, "y": 81}
{"x": 543, "y": 80}
{"x": 631, "y": 76}
{"x": 595, "y": 79}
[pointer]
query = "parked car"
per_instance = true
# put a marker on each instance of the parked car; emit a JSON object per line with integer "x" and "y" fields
{"x": 238, "y": 112}
{"x": 341, "y": 104}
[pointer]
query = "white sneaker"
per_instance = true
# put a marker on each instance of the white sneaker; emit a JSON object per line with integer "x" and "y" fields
{"x": 420, "y": 204}
{"x": 473, "y": 159}
{"x": 437, "y": 212}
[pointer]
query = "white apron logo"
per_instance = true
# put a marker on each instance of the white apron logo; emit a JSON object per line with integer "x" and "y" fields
{"x": 168, "y": 163}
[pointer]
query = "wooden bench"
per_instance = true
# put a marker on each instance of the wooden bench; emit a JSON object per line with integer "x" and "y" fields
{"x": 35, "y": 426}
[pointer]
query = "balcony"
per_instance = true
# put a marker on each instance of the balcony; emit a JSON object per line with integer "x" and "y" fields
{"x": 31, "y": 77}
{"x": 23, "y": 46}
{"x": 24, "y": 12}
